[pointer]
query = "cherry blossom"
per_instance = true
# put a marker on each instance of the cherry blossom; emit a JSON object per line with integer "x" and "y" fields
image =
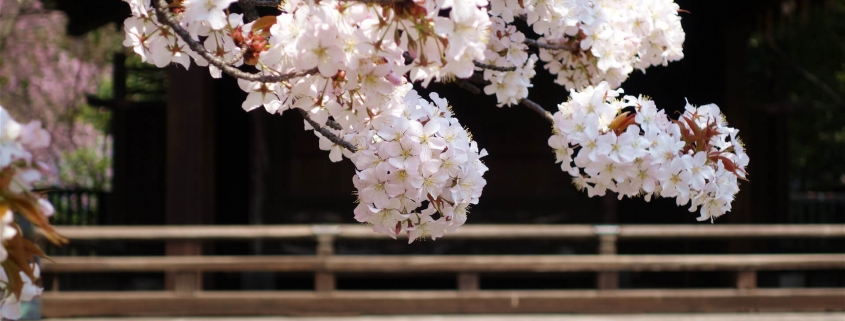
{"x": 696, "y": 159}
{"x": 7, "y": 231}
{"x": 210, "y": 11}
{"x": 19, "y": 171}
{"x": 10, "y": 305}
{"x": 422, "y": 157}
{"x": 349, "y": 69}
{"x": 612, "y": 37}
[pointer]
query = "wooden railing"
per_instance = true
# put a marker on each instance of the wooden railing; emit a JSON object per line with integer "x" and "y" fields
{"x": 78, "y": 206}
{"x": 188, "y": 297}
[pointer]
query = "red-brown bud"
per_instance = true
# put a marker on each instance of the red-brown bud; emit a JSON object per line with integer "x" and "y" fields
{"x": 237, "y": 36}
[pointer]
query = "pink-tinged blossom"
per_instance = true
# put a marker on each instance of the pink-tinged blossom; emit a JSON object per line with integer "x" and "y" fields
{"x": 651, "y": 157}
{"x": 409, "y": 150}
{"x": 45, "y": 77}
{"x": 393, "y": 166}
{"x": 17, "y": 165}
{"x": 210, "y": 11}
{"x": 10, "y": 305}
{"x": 260, "y": 94}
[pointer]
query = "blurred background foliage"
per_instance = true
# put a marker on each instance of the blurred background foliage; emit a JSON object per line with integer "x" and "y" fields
{"x": 797, "y": 68}
{"x": 45, "y": 75}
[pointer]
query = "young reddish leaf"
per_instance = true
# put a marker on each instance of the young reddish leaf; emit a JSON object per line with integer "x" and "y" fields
{"x": 264, "y": 23}
{"x": 15, "y": 283}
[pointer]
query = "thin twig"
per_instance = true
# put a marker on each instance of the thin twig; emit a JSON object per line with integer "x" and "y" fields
{"x": 333, "y": 124}
{"x": 550, "y": 46}
{"x": 379, "y": 2}
{"x": 537, "y": 108}
{"x": 466, "y": 85}
{"x": 478, "y": 79}
{"x": 237, "y": 56}
{"x": 326, "y": 133}
{"x": 493, "y": 67}
{"x": 261, "y": 3}
{"x": 164, "y": 17}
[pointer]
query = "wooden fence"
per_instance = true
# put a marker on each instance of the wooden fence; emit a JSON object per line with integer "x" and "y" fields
{"x": 188, "y": 298}
{"x": 77, "y": 206}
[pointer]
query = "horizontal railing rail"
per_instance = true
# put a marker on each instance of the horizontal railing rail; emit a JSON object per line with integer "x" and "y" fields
{"x": 188, "y": 297}
{"x": 276, "y": 303}
{"x": 354, "y": 231}
{"x": 448, "y": 263}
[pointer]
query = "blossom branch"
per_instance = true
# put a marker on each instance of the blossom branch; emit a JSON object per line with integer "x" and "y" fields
{"x": 333, "y": 124}
{"x": 379, "y": 2}
{"x": 164, "y": 17}
{"x": 261, "y": 3}
{"x": 550, "y": 46}
{"x": 237, "y": 56}
{"x": 493, "y": 67}
{"x": 326, "y": 133}
{"x": 465, "y": 85}
{"x": 478, "y": 79}
{"x": 537, "y": 108}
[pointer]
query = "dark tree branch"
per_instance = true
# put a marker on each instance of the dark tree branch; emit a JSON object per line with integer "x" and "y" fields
{"x": 326, "y": 133}
{"x": 164, "y": 17}
{"x": 537, "y": 108}
{"x": 237, "y": 56}
{"x": 493, "y": 67}
{"x": 549, "y": 46}
{"x": 261, "y": 3}
{"x": 378, "y": 2}
{"x": 478, "y": 79}
{"x": 333, "y": 124}
{"x": 465, "y": 85}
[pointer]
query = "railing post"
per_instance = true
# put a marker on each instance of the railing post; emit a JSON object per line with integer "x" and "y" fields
{"x": 746, "y": 279}
{"x": 468, "y": 282}
{"x": 183, "y": 281}
{"x": 187, "y": 281}
{"x": 323, "y": 279}
{"x": 607, "y": 246}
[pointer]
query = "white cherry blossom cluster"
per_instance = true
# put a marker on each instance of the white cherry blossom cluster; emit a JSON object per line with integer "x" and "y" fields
{"x": 418, "y": 172}
{"x": 602, "y": 40}
{"x": 628, "y": 146}
{"x": 359, "y": 52}
{"x": 549, "y": 18}
{"x": 350, "y": 43}
{"x": 10, "y": 305}
{"x": 355, "y": 44}
{"x": 17, "y": 141}
{"x": 7, "y": 231}
{"x": 506, "y": 48}
{"x": 347, "y": 66}
{"x": 18, "y": 171}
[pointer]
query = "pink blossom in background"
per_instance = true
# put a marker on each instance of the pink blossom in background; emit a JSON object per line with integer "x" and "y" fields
{"x": 45, "y": 75}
